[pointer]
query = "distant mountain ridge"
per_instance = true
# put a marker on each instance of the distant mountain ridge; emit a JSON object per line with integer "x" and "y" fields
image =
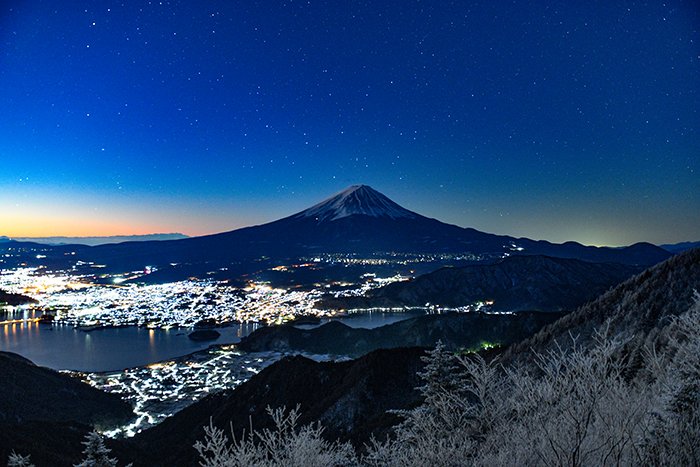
{"x": 358, "y": 220}
{"x": 636, "y": 309}
{"x": 99, "y": 240}
{"x": 680, "y": 247}
{"x": 455, "y": 330}
{"x": 514, "y": 283}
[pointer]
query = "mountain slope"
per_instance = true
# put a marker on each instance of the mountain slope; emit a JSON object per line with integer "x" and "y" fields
{"x": 350, "y": 399}
{"x": 455, "y": 330}
{"x": 92, "y": 241}
{"x": 358, "y": 220}
{"x": 636, "y": 309}
{"x": 47, "y": 414}
{"x": 513, "y": 284}
{"x": 680, "y": 247}
{"x": 30, "y": 392}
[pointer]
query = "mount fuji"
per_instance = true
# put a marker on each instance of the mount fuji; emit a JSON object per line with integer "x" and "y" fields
{"x": 358, "y": 220}
{"x": 360, "y": 200}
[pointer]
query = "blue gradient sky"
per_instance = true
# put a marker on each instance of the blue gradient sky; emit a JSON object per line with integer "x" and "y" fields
{"x": 556, "y": 120}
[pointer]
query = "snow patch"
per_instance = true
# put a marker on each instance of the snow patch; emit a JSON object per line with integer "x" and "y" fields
{"x": 357, "y": 199}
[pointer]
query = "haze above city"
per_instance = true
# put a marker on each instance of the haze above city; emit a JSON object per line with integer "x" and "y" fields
{"x": 570, "y": 122}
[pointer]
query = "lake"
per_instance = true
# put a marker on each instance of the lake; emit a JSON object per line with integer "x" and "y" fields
{"x": 62, "y": 347}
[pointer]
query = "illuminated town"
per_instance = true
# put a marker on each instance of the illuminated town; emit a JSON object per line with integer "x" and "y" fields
{"x": 159, "y": 390}
{"x": 80, "y": 298}
{"x": 77, "y": 301}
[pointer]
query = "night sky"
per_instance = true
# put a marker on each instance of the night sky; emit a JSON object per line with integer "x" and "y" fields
{"x": 557, "y": 120}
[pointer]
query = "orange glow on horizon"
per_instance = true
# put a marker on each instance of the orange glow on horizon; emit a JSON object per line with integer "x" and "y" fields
{"x": 61, "y": 224}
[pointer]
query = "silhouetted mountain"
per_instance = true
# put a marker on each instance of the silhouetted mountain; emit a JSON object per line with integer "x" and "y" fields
{"x": 92, "y": 241}
{"x": 513, "y": 284}
{"x": 455, "y": 330}
{"x": 357, "y": 220}
{"x": 46, "y": 414}
{"x": 29, "y": 392}
{"x": 636, "y": 309}
{"x": 14, "y": 299}
{"x": 680, "y": 247}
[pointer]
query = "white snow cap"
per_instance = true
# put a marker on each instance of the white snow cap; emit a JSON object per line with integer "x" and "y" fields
{"x": 357, "y": 199}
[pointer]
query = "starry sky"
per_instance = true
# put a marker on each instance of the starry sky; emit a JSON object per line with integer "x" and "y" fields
{"x": 552, "y": 120}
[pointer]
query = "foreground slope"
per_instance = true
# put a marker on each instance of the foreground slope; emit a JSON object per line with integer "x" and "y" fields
{"x": 46, "y": 413}
{"x": 615, "y": 383}
{"x": 337, "y": 393}
{"x": 350, "y": 398}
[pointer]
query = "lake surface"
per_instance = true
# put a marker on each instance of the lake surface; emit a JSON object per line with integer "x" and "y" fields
{"x": 63, "y": 347}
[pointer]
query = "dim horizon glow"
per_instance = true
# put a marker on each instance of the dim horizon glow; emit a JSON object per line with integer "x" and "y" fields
{"x": 575, "y": 122}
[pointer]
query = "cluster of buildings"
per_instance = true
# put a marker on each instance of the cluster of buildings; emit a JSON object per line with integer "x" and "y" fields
{"x": 76, "y": 300}
{"x": 159, "y": 390}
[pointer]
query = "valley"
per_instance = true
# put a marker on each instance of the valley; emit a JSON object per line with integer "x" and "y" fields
{"x": 122, "y": 317}
{"x": 349, "y": 234}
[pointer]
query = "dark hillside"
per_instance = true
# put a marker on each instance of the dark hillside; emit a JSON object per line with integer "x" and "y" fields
{"x": 350, "y": 399}
{"x": 455, "y": 330}
{"x": 515, "y": 283}
{"x": 30, "y": 392}
{"x": 14, "y": 299}
{"x": 636, "y": 309}
{"x": 45, "y": 414}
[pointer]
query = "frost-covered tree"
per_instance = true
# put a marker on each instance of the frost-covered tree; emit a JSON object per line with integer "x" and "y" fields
{"x": 96, "y": 454}
{"x": 603, "y": 404}
{"x": 445, "y": 429}
{"x": 674, "y": 434}
{"x": 17, "y": 460}
{"x": 441, "y": 374}
{"x": 285, "y": 445}
{"x": 575, "y": 406}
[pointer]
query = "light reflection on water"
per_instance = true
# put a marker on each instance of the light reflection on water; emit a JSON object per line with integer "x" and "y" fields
{"x": 63, "y": 347}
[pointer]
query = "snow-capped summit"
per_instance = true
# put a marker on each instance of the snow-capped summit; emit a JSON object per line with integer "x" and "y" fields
{"x": 356, "y": 221}
{"x": 357, "y": 199}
